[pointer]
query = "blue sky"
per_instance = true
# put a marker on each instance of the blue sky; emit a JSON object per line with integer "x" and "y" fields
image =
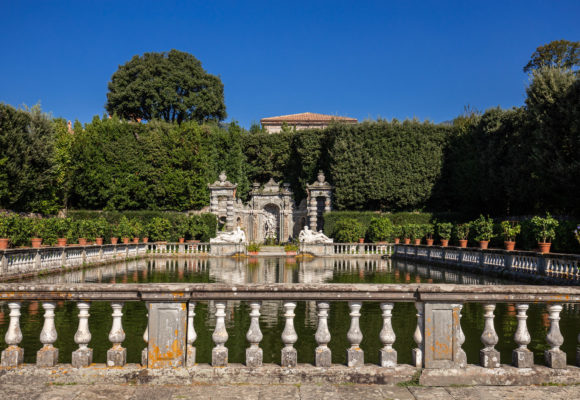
{"x": 363, "y": 59}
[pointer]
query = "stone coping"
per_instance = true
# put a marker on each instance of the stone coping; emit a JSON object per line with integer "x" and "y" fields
{"x": 489, "y": 251}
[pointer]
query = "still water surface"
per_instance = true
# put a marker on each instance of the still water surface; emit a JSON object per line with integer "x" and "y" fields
{"x": 281, "y": 270}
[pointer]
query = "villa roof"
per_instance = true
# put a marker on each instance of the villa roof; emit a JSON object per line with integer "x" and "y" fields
{"x": 306, "y": 117}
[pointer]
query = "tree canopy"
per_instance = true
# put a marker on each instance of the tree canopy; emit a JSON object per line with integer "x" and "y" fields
{"x": 168, "y": 86}
{"x": 558, "y": 53}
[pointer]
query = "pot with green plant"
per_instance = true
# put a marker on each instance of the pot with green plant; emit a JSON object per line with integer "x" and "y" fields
{"x": 429, "y": 230}
{"x": 159, "y": 230}
{"x": 125, "y": 229}
{"x": 444, "y": 232}
{"x": 253, "y": 248}
{"x": 182, "y": 228}
{"x": 137, "y": 229}
{"x": 510, "y": 230}
{"x": 86, "y": 231}
{"x": 4, "y": 231}
{"x": 483, "y": 229}
{"x": 101, "y": 227}
{"x": 37, "y": 225}
{"x": 462, "y": 233}
{"x": 397, "y": 233}
{"x": 380, "y": 230}
{"x": 115, "y": 233}
{"x": 63, "y": 230}
{"x": 406, "y": 232}
{"x": 416, "y": 233}
{"x": 348, "y": 230}
{"x": 291, "y": 249}
{"x": 545, "y": 231}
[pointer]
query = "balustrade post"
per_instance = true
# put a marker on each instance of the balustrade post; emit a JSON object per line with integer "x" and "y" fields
{"x": 146, "y": 340}
{"x": 417, "y": 353}
{"x": 387, "y": 355}
{"x": 355, "y": 355}
{"x": 323, "y": 355}
{"x": 522, "y": 357}
{"x": 47, "y": 356}
{"x": 83, "y": 356}
{"x": 219, "y": 354}
{"x": 461, "y": 357}
{"x": 13, "y": 355}
{"x": 117, "y": 355}
{"x": 489, "y": 357}
{"x": 191, "y": 335}
{"x": 254, "y": 353}
{"x": 289, "y": 356}
{"x": 555, "y": 358}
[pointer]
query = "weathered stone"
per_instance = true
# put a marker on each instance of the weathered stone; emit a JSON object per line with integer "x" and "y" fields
{"x": 13, "y": 356}
{"x": 578, "y": 357}
{"x": 219, "y": 357}
{"x": 289, "y": 357}
{"x": 489, "y": 358}
{"x": 167, "y": 330}
{"x": 254, "y": 357}
{"x": 388, "y": 358}
{"x": 443, "y": 336}
{"x": 522, "y": 358}
{"x": 555, "y": 358}
{"x": 144, "y": 357}
{"x": 323, "y": 357}
{"x": 190, "y": 358}
{"x": 417, "y": 358}
{"x": 116, "y": 357}
{"x": 355, "y": 357}
{"x": 47, "y": 356}
{"x": 82, "y": 358}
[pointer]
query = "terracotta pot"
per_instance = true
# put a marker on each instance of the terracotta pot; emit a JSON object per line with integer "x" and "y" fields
{"x": 417, "y": 242}
{"x": 181, "y": 240}
{"x": 4, "y": 243}
{"x": 544, "y": 247}
{"x": 483, "y": 244}
{"x": 135, "y": 240}
{"x": 114, "y": 240}
{"x": 406, "y": 240}
{"x": 509, "y": 246}
{"x": 125, "y": 240}
{"x": 463, "y": 243}
{"x": 145, "y": 240}
{"x": 99, "y": 241}
{"x": 397, "y": 240}
{"x": 82, "y": 242}
{"x": 36, "y": 242}
{"x": 429, "y": 242}
{"x": 61, "y": 242}
{"x": 444, "y": 242}
{"x": 361, "y": 240}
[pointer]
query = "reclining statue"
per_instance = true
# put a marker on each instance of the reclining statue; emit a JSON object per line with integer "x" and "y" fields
{"x": 236, "y": 236}
{"x": 309, "y": 236}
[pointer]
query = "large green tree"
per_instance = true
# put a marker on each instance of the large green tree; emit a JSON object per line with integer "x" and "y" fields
{"x": 558, "y": 53}
{"x": 169, "y": 86}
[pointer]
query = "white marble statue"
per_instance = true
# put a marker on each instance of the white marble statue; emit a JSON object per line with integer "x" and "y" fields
{"x": 235, "y": 237}
{"x": 309, "y": 236}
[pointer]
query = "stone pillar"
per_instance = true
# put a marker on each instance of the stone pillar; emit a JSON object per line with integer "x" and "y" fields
{"x": 13, "y": 355}
{"x": 354, "y": 355}
{"x": 289, "y": 337}
{"x": 146, "y": 340}
{"x": 312, "y": 214}
{"x": 442, "y": 336}
{"x": 323, "y": 355}
{"x": 83, "y": 356}
{"x": 47, "y": 356}
{"x": 522, "y": 357}
{"x": 191, "y": 335}
{"x": 117, "y": 355}
{"x": 387, "y": 355}
{"x": 417, "y": 353}
{"x": 555, "y": 358}
{"x": 166, "y": 335}
{"x": 254, "y": 354}
{"x": 489, "y": 357}
{"x": 219, "y": 354}
{"x": 230, "y": 214}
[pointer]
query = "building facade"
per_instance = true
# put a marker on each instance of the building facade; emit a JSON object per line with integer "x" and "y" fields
{"x": 302, "y": 121}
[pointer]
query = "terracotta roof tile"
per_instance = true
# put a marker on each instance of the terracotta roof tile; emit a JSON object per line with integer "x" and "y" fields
{"x": 306, "y": 117}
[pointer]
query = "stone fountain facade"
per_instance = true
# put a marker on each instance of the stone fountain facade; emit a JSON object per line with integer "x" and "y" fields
{"x": 271, "y": 211}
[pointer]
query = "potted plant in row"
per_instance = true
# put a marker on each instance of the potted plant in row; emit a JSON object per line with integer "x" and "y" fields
{"x": 4, "y": 231}
{"x": 483, "y": 228}
{"x": 444, "y": 232}
{"x": 406, "y": 233}
{"x": 416, "y": 233}
{"x": 101, "y": 227}
{"x": 253, "y": 248}
{"x": 462, "y": 232}
{"x": 125, "y": 229}
{"x": 37, "y": 228}
{"x": 545, "y": 231}
{"x": 159, "y": 229}
{"x": 397, "y": 233}
{"x": 380, "y": 230}
{"x": 510, "y": 230}
{"x": 63, "y": 228}
{"x": 291, "y": 249}
{"x": 429, "y": 230}
{"x": 348, "y": 230}
{"x": 137, "y": 230}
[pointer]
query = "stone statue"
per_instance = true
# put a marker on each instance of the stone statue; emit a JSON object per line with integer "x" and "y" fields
{"x": 309, "y": 236}
{"x": 270, "y": 226}
{"x": 235, "y": 237}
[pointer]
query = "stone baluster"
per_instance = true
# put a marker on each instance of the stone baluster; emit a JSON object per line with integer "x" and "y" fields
{"x": 47, "y": 356}
{"x": 289, "y": 337}
{"x": 323, "y": 355}
{"x": 555, "y": 358}
{"x": 489, "y": 356}
{"x": 417, "y": 353}
{"x": 354, "y": 355}
{"x": 83, "y": 356}
{"x": 522, "y": 357}
{"x": 117, "y": 355}
{"x": 191, "y": 335}
{"x": 462, "y": 357}
{"x": 13, "y": 355}
{"x": 254, "y": 353}
{"x": 145, "y": 351}
{"x": 219, "y": 354}
{"x": 387, "y": 355}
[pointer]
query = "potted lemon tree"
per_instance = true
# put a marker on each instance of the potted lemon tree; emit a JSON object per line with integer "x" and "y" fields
{"x": 510, "y": 230}
{"x": 545, "y": 231}
{"x": 444, "y": 232}
{"x": 483, "y": 229}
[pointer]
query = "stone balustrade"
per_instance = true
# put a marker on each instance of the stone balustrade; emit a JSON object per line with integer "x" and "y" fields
{"x": 347, "y": 249}
{"x": 171, "y": 336}
{"x": 550, "y": 267}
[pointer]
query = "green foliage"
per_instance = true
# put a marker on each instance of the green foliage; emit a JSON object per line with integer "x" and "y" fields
{"x": 166, "y": 86}
{"x": 331, "y": 219}
{"x": 558, "y": 53}
{"x": 397, "y": 231}
{"x": 159, "y": 229}
{"x": 428, "y": 230}
{"x": 290, "y": 247}
{"x": 462, "y": 231}
{"x": 544, "y": 228}
{"x": 348, "y": 230}
{"x": 415, "y": 231}
{"x": 254, "y": 247}
{"x": 125, "y": 227}
{"x": 380, "y": 229}
{"x": 444, "y": 230}
{"x": 482, "y": 228}
{"x": 4, "y": 225}
{"x": 510, "y": 230}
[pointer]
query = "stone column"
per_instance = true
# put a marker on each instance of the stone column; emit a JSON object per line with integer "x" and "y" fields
{"x": 13, "y": 355}
{"x": 117, "y": 355}
{"x": 191, "y": 335}
{"x": 312, "y": 214}
{"x": 83, "y": 356}
{"x": 146, "y": 340}
{"x": 254, "y": 354}
{"x": 417, "y": 353}
{"x": 354, "y": 355}
{"x": 289, "y": 337}
{"x": 230, "y": 214}
{"x": 555, "y": 358}
{"x": 323, "y": 355}
{"x": 522, "y": 357}
{"x": 47, "y": 356}
{"x": 219, "y": 354}
{"x": 387, "y": 355}
{"x": 489, "y": 357}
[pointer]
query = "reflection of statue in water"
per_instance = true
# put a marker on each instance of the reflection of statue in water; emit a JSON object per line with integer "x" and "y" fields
{"x": 308, "y": 236}
{"x": 236, "y": 236}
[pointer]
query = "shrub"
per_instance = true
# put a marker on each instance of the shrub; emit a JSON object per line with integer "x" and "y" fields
{"x": 291, "y": 247}
{"x": 181, "y": 228}
{"x": 159, "y": 229}
{"x": 348, "y": 230}
{"x": 137, "y": 227}
{"x": 444, "y": 230}
{"x": 483, "y": 228}
{"x": 254, "y": 247}
{"x": 462, "y": 231}
{"x": 380, "y": 229}
{"x": 416, "y": 231}
{"x": 544, "y": 228}
{"x": 428, "y": 230}
{"x": 510, "y": 230}
{"x": 397, "y": 231}
{"x": 102, "y": 227}
{"x": 125, "y": 227}
{"x": 4, "y": 225}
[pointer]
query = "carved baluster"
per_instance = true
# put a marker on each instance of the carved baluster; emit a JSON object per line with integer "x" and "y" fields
{"x": 323, "y": 355}
{"x": 145, "y": 351}
{"x": 417, "y": 353}
{"x": 13, "y": 355}
{"x": 219, "y": 354}
{"x": 489, "y": 356}
{"x": 387, "y": 355}
{"x": 522, "y": 357}
{"x": 289, "y": 337}
{"x": 117, "y": 355}
{"x": 555, "y": 358}
{"x": 354, "y": 355}
{"x": 462, "y": 357}
{"x": 191, "y": 335}
{"x": 83, "y": 356}
{"x": 47, "y": 356}
{"x": 254, "y": 353}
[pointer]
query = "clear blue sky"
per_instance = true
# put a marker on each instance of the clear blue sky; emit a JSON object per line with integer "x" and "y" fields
{"x": 364, "y": 59}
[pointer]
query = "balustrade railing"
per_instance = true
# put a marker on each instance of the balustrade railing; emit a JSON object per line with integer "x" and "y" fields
{"x": 170, "y": 335}
{"x": 347, "y": 249}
